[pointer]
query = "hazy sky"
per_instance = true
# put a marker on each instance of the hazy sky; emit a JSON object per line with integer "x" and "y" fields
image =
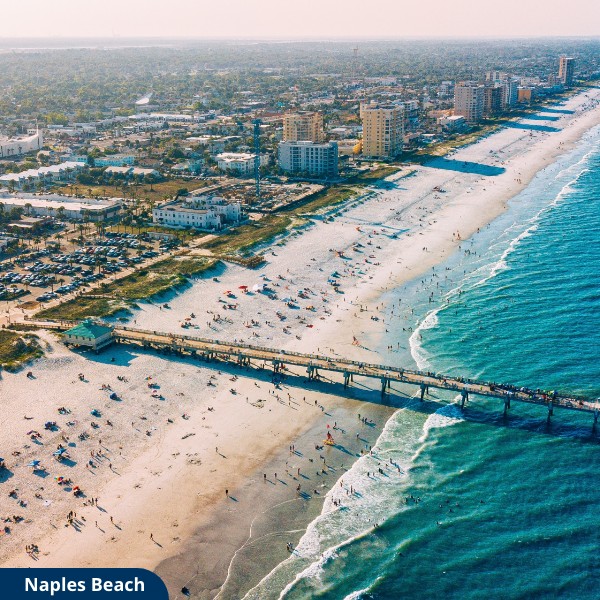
{"x": 300, "y": 18}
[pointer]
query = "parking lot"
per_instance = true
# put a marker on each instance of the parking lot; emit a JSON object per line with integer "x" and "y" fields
{"x": 49, "y": 273}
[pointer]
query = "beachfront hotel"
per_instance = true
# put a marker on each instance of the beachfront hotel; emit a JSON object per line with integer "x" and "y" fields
{"x": 469, "y": 100}
{"x": 566, "y": 70}
{"x": 320, "y": 160}
{"x": 205, "y": 212}
{"x": 305, "y": 126}
{"x": 383, "y": 129}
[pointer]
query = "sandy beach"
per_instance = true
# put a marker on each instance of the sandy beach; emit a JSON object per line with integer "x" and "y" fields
{"x": 196, "y": 466}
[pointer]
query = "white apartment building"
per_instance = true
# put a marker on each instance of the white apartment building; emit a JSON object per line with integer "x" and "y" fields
{"x": 469, "y": 100}
{"x": 32, "y": 177}
{"x": 210, "y": 213}
{"x": 21, "y": 145}
{"x": 383, "y": 129}
{"x": 320, "y": 160}
{"x": 239, "y": 163}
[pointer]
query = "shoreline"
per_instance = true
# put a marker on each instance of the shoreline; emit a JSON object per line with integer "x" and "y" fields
{"x": 461, "y": 213}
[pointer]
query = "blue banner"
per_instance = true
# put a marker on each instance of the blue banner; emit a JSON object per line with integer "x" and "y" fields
{"x": 81, "y": 584}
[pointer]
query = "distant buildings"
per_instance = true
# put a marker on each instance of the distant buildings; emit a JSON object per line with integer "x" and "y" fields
{"x": 566, "y": 70}
{"x": 210, "y": 213}
{"x": 469, "y": 101}
{"x": 21, "y": 145}
{"x": 383, "y": 129}
{"x": 238, "y": 163}
{"x": 320, "y": 160}
{"x": 303, "y": 126}
{"x": 111, "y": 160}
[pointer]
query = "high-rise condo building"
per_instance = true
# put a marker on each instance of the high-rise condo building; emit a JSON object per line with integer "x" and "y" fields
{"x": 303, "y": 126}
{"x": 320, "y": 160}
{"x": 383, "y": 129}
{"x": 566, "y": 70}
{"x": 469, "y": 100}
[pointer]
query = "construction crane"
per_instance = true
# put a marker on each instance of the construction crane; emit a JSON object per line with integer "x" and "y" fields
{"x": 257, "y": 123}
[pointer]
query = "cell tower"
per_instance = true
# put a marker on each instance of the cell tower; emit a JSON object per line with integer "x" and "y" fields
{"x": 257, "y": 123}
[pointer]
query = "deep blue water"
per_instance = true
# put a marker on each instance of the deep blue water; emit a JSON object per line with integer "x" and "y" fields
{"x": 507, "y": 507}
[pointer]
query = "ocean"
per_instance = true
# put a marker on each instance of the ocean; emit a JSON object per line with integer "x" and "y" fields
{"x": 471, "y": 504}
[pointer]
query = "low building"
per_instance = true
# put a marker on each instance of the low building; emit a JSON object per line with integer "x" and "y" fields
{"x": 63, "y": 207}
{"x": 5, "y": 240}
{"x": 452, "y": 123}
{"x": 21, "y": 145}
{"x": 44, "y": 175}
{"x": 28, "y": 224}
{"x": 208, "y": 213}
{"x": 349, "y": 147}
{"x": 525, "y": 94}
{"x": 127, "y": 171}
{"x": 89, "y": 335}
{"x": 239, "y": 163}
{"x": 320, "y": 160}
{"x": 112, "y": 160}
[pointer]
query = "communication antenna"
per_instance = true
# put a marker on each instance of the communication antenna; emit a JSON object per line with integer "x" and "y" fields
{"x": 257, "y": 123}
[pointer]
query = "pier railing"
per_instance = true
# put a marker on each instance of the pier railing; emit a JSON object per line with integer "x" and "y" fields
{"x": 212, "y": 348}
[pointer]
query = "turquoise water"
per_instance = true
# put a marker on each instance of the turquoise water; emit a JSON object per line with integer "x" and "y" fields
{"x": 482, "y": 505}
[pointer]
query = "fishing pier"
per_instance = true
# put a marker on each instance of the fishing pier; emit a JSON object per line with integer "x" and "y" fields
{"x": 249, "y": 355}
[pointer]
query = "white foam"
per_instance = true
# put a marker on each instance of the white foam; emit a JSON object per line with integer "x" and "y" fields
{"x": 357, "y": 595}
{"x": 419, "y": 354}
{"x": 447, "y": 415}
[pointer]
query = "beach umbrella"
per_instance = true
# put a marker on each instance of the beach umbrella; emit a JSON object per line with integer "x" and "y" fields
{"x": 59, "y": 452}
{"x": 243, "y": 287}
{"x": 33, "y": 463}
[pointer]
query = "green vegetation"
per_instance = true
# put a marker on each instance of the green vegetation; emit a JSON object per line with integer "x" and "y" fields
{"x": 16, "y": 349}
{"x": 119, "y": 295}
{"x": 379, "y": 172}
{"x": 241, "y": 239}
{"x": 157, "y": 192}
{"x": 158, "y": 278}
{"x": 81, "y": 308}
{"x": 323, "y": 199}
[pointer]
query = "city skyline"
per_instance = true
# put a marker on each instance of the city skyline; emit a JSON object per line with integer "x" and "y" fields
{"x": 265, "y": 19}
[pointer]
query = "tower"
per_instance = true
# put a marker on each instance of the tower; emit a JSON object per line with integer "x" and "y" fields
{"x": 257, "y": 124}
{"x": 566, "y": 70}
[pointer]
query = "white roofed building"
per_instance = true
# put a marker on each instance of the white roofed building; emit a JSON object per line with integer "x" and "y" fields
{"x": 21, "y": 145}
{"x": 210, "y": 213}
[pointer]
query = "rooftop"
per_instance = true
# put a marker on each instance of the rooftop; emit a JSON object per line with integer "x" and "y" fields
{"x": 88, "y": 329}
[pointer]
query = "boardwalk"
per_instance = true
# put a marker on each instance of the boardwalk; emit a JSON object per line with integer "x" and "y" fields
{"x": 314, "y": 364}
